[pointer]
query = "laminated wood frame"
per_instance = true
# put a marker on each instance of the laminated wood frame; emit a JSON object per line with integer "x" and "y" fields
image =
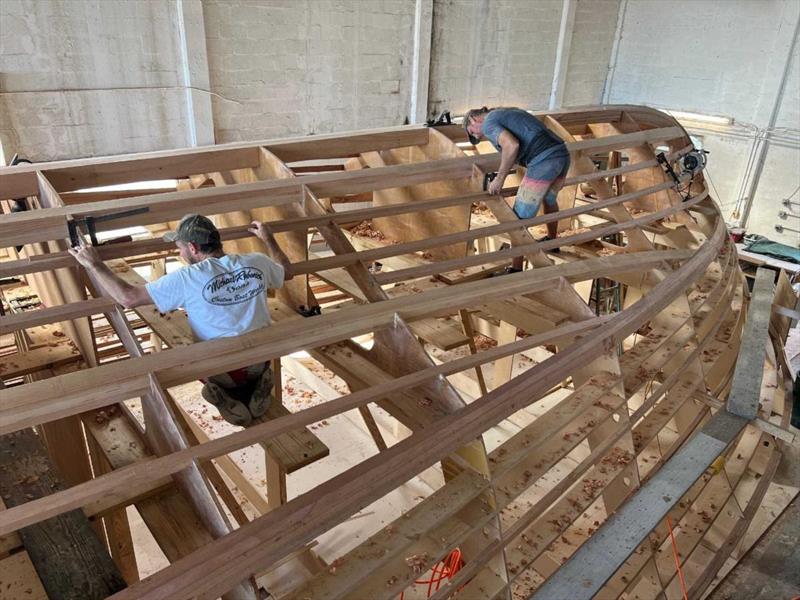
{"x": 608, "y": 402}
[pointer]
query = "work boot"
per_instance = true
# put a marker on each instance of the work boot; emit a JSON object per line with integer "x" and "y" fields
{"x": 233, "y": 411}
{"x": 261, "y": 398}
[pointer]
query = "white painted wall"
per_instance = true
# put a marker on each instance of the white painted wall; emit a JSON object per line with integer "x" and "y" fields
{"x": 503, "y": 52}
{"x": 722, "y": 57}
{"x": 781, "y": 176}
{"x": 90, "y": 77}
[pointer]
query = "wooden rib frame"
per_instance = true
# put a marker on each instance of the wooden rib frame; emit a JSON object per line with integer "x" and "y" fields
{"x": 687, "y": 294}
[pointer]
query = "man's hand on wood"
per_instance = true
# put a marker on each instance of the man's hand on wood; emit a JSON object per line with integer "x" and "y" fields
{"x": 260, "y": 230}
{"x": 85, "y": 255}
{"x": 496, "y": 186}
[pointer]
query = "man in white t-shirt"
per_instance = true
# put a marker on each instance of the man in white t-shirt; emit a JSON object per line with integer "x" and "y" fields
{"x": 223, "y": 294}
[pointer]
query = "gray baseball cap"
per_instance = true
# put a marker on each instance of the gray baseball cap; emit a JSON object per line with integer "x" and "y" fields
{"x": 194, "y": 228}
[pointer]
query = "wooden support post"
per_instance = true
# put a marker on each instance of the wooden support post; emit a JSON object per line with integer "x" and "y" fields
{"x": 276, "y": 482}
{"x": 226, "y": 465}
{"x": 469, "y": 331}
{"x": 191, "y": 430}
{"x": 503, "y": 366}
{"x": 372, "y": 427}
{"x": 158, "y": 268}
{"x": 118, "y": 528}
{"x": 277, "y": 380}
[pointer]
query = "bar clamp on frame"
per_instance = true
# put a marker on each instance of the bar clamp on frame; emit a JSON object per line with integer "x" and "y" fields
{"x": 89, "y": 224}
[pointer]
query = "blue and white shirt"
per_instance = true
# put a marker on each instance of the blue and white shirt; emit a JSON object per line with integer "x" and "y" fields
{"x": 223, "y": 296}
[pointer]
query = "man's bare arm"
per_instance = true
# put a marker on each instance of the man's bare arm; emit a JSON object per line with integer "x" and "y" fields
{"x": 509, "y": 149}
{"x": 262, "y": 232}
{"x": 122, "y": 292}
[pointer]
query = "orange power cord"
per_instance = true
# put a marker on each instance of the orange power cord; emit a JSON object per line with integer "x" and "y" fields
{"x": 444, "y": 569}
{"x": 677, "y": 559}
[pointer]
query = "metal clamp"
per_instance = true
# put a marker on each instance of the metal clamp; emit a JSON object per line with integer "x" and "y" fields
{"x": 440, "y": 121}
{"x": 310, "y": 311}
{"x": 89, "y": 222}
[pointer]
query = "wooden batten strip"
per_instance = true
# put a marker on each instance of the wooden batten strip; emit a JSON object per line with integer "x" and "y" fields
{"x": 20, "y": 228}
{"x": 86, "y": 173}
{"x": 77, "y": 392}
{"x": 341, "y": 260}
{"x": 54, "y": 314}
{"x": 263, "y": 540}
{"x": 625, "y": 140}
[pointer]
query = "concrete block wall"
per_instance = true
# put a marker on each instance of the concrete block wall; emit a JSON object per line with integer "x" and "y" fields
{"x": 727, "y": 58}
{"x": 590, "y": 51}
{"x": 493, "y": 53}
{"x": 83, "y": 78}
{"x": 90, "y": 77}
{"x": 307, "y": 66}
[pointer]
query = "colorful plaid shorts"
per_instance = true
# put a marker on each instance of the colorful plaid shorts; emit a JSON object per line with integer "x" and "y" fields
{"x": 544, "y": 176}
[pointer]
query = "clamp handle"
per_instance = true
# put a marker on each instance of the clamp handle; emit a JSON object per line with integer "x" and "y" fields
{"x": 75, "y": 232}
{"x": 487, "y": 179}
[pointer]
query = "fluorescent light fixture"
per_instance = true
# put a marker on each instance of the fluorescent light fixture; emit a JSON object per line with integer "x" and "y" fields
{"x": 701, "y": 118}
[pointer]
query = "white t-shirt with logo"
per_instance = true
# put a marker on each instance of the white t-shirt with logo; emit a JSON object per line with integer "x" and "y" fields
{"x": 223, "y": 296}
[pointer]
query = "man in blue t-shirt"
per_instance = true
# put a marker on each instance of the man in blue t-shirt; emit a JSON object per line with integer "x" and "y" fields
{"x": 521, "y": 139}
{"x": 223, "y": 294}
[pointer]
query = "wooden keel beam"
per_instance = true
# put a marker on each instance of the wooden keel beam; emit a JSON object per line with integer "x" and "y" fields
{"x": 69, "y": 558}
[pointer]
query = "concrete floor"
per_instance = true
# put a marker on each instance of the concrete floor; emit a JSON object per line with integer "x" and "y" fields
{"x": 771, "y": 570}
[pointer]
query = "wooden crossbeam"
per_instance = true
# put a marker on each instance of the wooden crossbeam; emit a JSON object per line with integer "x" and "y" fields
{"x": 53, "y": 314}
